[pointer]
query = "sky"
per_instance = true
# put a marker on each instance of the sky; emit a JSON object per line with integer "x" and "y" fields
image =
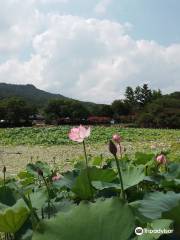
{"x": 90, "y": 50}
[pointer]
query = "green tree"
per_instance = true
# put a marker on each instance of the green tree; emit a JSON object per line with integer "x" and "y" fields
{"x": 137, "y": 95}
{"x": 156, "y": 94}
{"x": 106, "y": 111}
{"x": 143, "y": 95}
{"x": 2, "y": 110}
{"x": 120, "y": 107}
{"x": 163, "y": 112}
{"x": 78, "y": 110}
{"x": 146, "y": 95}
{"x": 16, "y": 110}
{"x": 58, "y": 108}
{"x": 130, "y": 96}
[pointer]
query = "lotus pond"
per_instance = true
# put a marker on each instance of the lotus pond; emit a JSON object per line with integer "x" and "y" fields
{"x": 123, "y": 194}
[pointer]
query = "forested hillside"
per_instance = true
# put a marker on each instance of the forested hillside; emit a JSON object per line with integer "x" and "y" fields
{"x": 140, "y": 106}
{"x": 28, "y": 92}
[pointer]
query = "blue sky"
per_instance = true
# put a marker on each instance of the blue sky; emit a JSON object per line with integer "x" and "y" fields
{"x": 90, "y": 50}
{"x": 151, "y": 19}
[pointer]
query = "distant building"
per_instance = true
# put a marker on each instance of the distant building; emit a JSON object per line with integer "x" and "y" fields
{"x": 112, "y": 121}
{"x": 99, "y": 120}
{"x": 38, "y": 120}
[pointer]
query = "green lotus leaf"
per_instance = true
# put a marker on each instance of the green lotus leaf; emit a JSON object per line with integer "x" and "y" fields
{"x": 156, "y": 204}
{"x": 143, "y": 158}
{"x": 131, "y": 177}
{"x": 7, "y": 196}
{"x": 105, "y": 219}
{"x": 38, "y": 198}
{"x": 33, "y": 168}
{"x": 82, "y": 187}
{"x": 12, "y": 219}
{"x": 157, "y": 225}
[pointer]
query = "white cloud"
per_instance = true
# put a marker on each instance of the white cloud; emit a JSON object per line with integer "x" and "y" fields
{"x": 102, "y": 6}
{"x": 20, "y": 21}
{"x": 87, "y": 59}
{"x": 14, "y": 71}
{"x": 52, "y": 1}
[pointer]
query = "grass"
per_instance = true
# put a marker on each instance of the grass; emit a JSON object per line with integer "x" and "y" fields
{"x": 19, "y": 146}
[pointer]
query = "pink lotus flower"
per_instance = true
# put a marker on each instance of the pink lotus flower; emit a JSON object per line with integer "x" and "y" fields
{"x": 56, "y": 178}
{"x": 79, "y": 134}
{"x": 117, "y": 138}
{"x": 161, "y": 159}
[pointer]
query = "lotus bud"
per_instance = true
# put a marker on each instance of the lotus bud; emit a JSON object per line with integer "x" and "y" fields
{"x": 116, "y": 138}
{"x": 161, "y": 159}
{"x": 112, "y": 148}
{"x": 56, "y": 178}
{"x": 40, "y": 172}
{"x": 4, "y": 169}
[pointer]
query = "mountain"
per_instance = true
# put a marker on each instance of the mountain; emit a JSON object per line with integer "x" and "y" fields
{"x": 28, "y": 92}
{"x": 34, "y": 95}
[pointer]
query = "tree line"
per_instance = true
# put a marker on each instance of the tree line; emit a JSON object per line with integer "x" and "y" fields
{"x": 141, "y": 106}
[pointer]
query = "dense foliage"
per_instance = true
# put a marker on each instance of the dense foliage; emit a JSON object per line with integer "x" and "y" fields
{"x": 57, "y": 109}
{"x": 15, "y": 111}
{"x": 163, "y": 112}
{"x": 98, "y": 199}
{"x": 141, "y": 107}
{"x": 101, "y": 134}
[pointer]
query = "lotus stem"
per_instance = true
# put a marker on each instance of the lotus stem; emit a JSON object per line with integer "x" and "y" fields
{"x": 49, "y": 199}
{"x": 29, "y": 205}
{"x": 4, "y": 175}
{"x": 87, "y": 167}
{"x": 120, "y": 177}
